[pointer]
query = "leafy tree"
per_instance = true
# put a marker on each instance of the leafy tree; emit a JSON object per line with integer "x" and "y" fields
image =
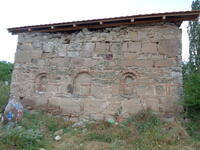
{"x": 5, "y": 71}
{"x": 191, "y": 70}
{"x": 194, "y": 37}
{"x": 186, "y": 69}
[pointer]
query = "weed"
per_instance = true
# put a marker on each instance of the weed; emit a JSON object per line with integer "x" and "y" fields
{"x": 193, "y": 129}
{"x": 143, "y": 121}
{"x": 142, "y": 131}
{"x": 20, "y": 137}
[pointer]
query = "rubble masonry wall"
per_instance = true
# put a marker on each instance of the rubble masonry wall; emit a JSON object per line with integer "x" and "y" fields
{"x": 96, "y": 74}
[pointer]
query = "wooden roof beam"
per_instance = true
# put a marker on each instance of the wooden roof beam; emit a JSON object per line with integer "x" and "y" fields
{"x": 100, "y": 23}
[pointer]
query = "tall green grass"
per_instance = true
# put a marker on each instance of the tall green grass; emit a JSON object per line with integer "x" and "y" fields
{"x": 142, "y": 131}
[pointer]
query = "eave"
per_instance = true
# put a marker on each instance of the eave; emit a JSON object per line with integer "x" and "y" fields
{"x": 171, "y": 17}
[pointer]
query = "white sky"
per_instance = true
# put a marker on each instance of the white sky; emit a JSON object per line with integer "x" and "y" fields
{"x": 14, "y": 13}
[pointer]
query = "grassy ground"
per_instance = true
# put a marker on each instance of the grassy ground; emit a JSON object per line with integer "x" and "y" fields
{"x": 143, "y": 131}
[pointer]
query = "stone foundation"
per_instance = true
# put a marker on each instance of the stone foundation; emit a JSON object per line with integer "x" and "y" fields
{"x": 96, "y": 74}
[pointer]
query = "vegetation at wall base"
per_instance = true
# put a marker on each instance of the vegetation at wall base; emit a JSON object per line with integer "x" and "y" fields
{"x": 142, "y": 131}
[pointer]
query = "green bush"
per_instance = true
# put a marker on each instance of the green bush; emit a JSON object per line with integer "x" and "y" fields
{"x": 4, "y": 95}
{"x": 5, "y": 76}
{"x": 5, "y": 71}
{"x": 34, "y": 131}
{"x": 193, "y": 129}
{"x": 144, "y": 120}
{"x": 21, "y": 138}
{"x": 192, "y": 94}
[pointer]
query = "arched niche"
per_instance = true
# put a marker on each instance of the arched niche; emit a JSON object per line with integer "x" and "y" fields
{"x": 127, "y": 85}
{"x": 82, "y": 84}
{"x": 41, "y": 82}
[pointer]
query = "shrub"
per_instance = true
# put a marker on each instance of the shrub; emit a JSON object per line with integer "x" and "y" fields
{"x": 127, "y": 130}
{"x": 144, "y": 120}
{"x": 5, "y": 76}
{"x": 20, "y": 137}
{"x": 192, "y": 93}
{"x": 193, "y": 129}
{"x": 4, "y": 95}
{"x": 5, "y": 71}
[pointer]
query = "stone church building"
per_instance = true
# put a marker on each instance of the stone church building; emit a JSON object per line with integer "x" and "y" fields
{"x": 96, "y": 69}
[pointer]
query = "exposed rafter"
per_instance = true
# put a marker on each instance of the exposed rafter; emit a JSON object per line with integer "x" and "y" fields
{"x": 174, "y": 17}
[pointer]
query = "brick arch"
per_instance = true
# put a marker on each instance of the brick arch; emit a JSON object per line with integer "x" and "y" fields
{"x": 82, "y": 83}
{"x": 127, "y": 84}
{"x": 41, "y": 82}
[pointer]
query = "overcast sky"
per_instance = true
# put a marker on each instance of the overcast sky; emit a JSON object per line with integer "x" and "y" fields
{"x": 14, "y": 13}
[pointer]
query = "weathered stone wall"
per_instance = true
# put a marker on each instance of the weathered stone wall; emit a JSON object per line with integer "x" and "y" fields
{"x": 96, "y": 74}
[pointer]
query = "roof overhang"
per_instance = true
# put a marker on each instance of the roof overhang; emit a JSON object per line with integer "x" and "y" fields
{"x": 172, "y": 17}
